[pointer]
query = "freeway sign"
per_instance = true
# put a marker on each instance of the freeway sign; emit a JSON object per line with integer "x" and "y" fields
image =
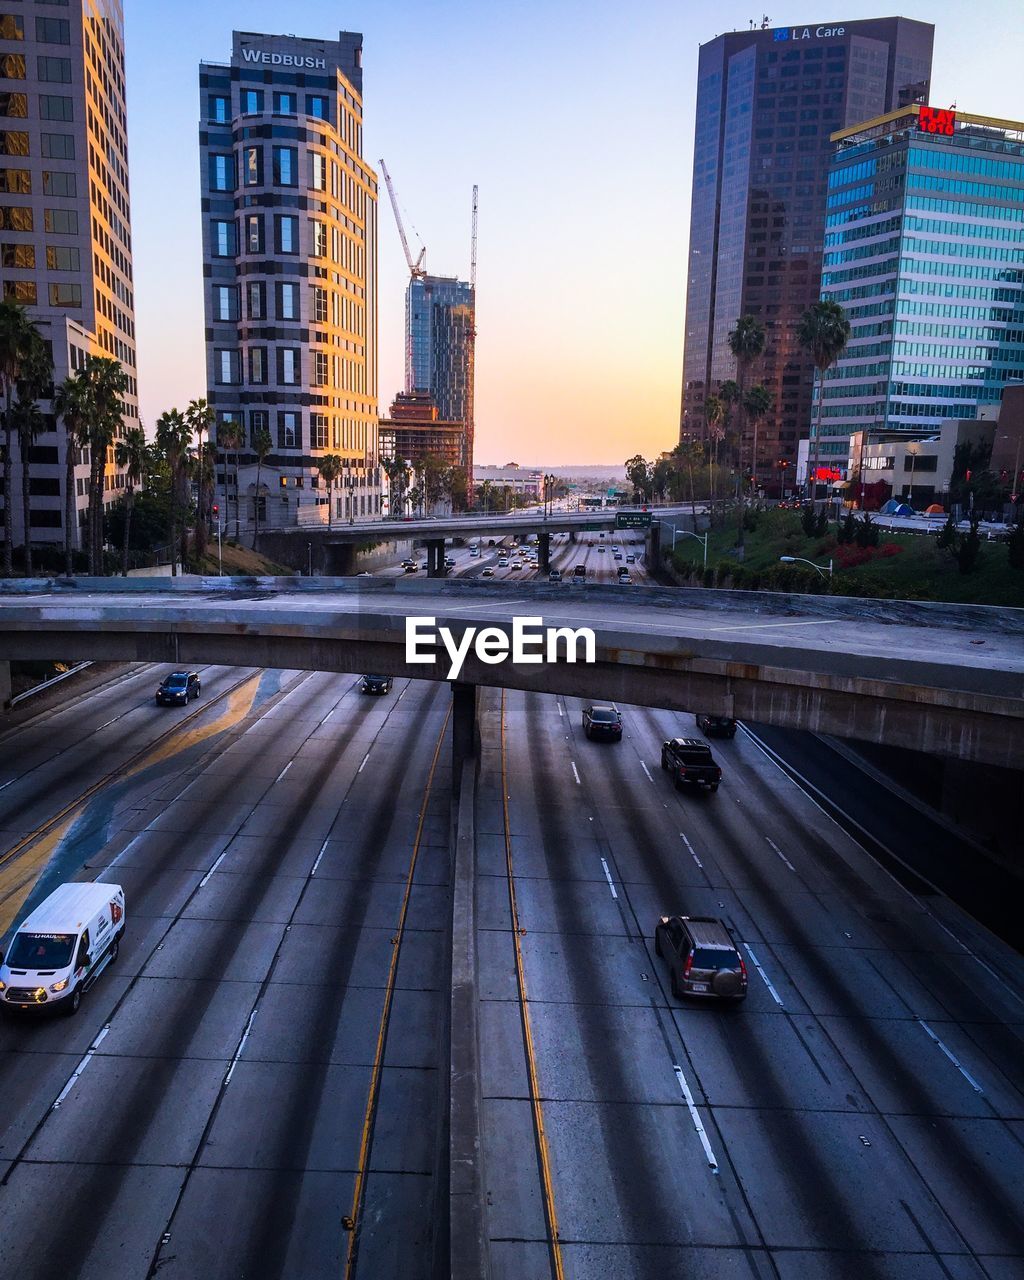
{"x": 632, "y": 520}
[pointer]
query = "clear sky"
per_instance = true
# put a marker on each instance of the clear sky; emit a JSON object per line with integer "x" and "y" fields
{"x": 576, "y": 120}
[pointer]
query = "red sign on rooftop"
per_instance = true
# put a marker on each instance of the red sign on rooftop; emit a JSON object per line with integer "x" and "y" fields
{"x": 933, "y": 120}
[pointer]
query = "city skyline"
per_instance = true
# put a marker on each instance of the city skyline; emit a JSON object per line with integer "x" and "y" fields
{"x": 594, "y": 371}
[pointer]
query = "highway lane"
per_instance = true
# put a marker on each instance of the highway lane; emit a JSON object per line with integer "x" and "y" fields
{"x": 240, "y": 1094}
{"x": 862, "y": 1108}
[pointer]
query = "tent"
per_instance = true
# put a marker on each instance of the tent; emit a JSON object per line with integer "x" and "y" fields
{"x": 890, "y": 508}
{"x": 934, "y": 510}
{"x": 902, "y": 509}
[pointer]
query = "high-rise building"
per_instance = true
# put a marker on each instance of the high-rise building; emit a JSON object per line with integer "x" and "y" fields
{"x": 924, "y": 249}
{"x": 767, "y": 102}
{"x": 65, "y": 220}
{"x": 440, "y": 319}
{"x": 290, "y": 264}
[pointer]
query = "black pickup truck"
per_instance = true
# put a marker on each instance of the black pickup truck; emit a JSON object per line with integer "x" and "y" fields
{"x": 691, "y": 763}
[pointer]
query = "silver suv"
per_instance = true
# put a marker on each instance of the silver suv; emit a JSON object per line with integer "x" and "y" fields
{"x": 702, "y": 957}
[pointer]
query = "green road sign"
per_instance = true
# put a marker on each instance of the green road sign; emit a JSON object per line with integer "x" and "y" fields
{"x": 632, "y": 520}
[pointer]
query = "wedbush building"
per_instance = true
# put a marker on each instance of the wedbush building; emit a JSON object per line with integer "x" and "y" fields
{"x": 924, "y": 248}
{"x": 289, "y": 212}
{"x": 767, "y": 102}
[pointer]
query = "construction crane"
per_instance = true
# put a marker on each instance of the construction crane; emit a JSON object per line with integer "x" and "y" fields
{"x": 472, "y": 255}
{"x": 471, "y": 356}
{"x": 416, "y": 269}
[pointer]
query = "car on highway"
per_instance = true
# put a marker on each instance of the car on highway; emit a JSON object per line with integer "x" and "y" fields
{"x": 515, "y": 566}
{"x": 624, "y": 577}
{"x": 555, "y": 575}
{"x": 691, "y": 764}
{"x": 61, "y": 948}
{"x": 474, "y": 551}
{"x": 407, "y": 562}
{"x": 411, "y": 567}
{"x": 375, "y": 684}
{"x": 176, "y": 689}
{"x": 580, "y": 572}
{"x": 616, "y": 554}
{"x": 503, "y": 562}
{"x": 703, "y": 960}
{"x": 449, "y": 563}
{"x": 487, "y": 572}
{"x": 601, "y": 550}
{"x": 602, "y": 720}
{"x": 716, "y": 726}
{"x": 630, "y": 558}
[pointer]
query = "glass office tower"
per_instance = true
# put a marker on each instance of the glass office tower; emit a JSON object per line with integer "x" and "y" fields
{"x": 767, "y": 103}
{"x": 924, "y": 248}
{"x": 290, "y": 274}
{"x": 440, "y": 318}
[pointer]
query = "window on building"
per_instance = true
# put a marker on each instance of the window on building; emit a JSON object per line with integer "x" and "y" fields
{"x": 15, "y": 218}
{"x": 222, "y": 172}
{"x": 252, "y": 166}
{"x": 224, "y": 302}
{"x": 16, "y": 181}
{"x": 288, "y": 432}
{"x": 285, "y": 104}
{"x": 53, "y": 30}
{"x": 63, "y": 257}
{"x": 288, "y": 366}
{"x": 223, "y": 238}
{"x": 227, "y": 367}
{"x": 218, "y": 108}
{"x": 287, "y": 301}
{"x": 20, "y": 257}
{"x": 319, "y": 368}
{"x": 259, "y": 420}
{"x": 13, "y": 143}
{"x": 254, "y": 232}
{"x": 23, "y": 291}
{"x": 65, "y": 295}
{"x": 61, "y": 222}
{"x": 316, "y": 106}
{"x": 58, "y": 146}
{"x": 252, "y": 101}
{"x": 318, "y": 239}
{"x": 317, "y": 171}
{"x": 286, "y": 166}
{"x": 14, "y": 104}
{"x": 12, "y": 26}
{"x": 287, "y": 233}
{"x": 56, "y": 106}
{"x": 319, "y": 304}
{"x": 12, "y": 66}
{"x": 58, "y": 183}
{"x": 318, "y": 431}
{"x": 256, "y": 299}
{"x": 56, "y": 70}
{"x": 258, "y": 365}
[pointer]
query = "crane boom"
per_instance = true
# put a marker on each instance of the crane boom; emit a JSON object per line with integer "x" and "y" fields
{"x": 472, "y": 256}
{"x": 416, "y": 268}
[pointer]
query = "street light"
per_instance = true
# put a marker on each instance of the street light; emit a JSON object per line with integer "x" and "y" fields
{"x": 820, "y": 568}
{"x": 685, "y": 533}
{"x": 309, "y": 559}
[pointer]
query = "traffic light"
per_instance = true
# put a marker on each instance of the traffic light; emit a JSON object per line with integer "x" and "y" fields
{"x": 216, "y": 509}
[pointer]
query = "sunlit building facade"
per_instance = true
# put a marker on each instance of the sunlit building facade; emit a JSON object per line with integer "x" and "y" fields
{"x": 767, "y": 102}
{"x": 440, "y": 320}
{"x": 65, "y": 221}
{"x": 924, "y": 249}
{"x": 289, "y": 210}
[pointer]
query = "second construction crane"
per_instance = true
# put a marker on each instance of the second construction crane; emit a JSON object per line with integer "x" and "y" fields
{"x": 416, "y": 269}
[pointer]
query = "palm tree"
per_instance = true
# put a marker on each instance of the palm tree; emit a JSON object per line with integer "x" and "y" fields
{"x": 200, "y": 417}
{"x": 230, "y": 439}
{"x": 71, "y": 404}
{"x": 397, "y": 471}
{"x": 261, "y": 447}
{"x": 104, "y": 421}
{"x": 485, "y": 493}
{"x": 714, "y": 413}
{"x": 16, "y": 337}
{"x": 756, "y": 404}
{"x": 690, "y": 453}
{"x": 746, "y": 342}
{"x": 132, "y": 454}
{"x": 330, "y": 467}
{"x": 823, "y": 332}
{"x": 35, "y": 380}
{"x": 173, "y": 435}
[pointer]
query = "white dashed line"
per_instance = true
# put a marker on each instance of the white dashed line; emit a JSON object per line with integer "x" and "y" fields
{"x": 575, "y": 774}
{"x": 692, "y": 854}
{"x": 319, "y": 855}
{"x": 780, "y": 853}
{"x": 284, "y": 770}
{"x": 608, "y": 877}
{"x": 213, "y": 868}
{"x": 754, "y": 961}
{"x": 557, "y": 704}
{"x": 80, "y": 1068}
{"x": 647, "y": 771}
{"x": 952, "y": 1057}
{"x": 695, "y": 1117}
{"x": 363, "y": 765}
{"x": 241, "y": 1046}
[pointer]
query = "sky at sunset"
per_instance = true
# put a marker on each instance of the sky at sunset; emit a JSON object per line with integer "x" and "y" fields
{"x": 576, "y": 120}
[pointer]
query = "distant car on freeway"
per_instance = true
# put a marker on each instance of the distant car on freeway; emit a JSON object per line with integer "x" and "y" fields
{"x": 716, "y": 726}
{"x": 375, "y": 684}
{"x": 176, "y": 689}
{"x": 691, "y": 764}
{"x": 703, "y": 960}
{"x": 487, "y": 572}
{"x": 503, "y": 562}
{"x": 555, "y": 575}
{"x": 602, "y": 720}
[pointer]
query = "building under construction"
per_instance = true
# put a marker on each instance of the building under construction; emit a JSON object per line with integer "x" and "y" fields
{"x": 414, "y": 429}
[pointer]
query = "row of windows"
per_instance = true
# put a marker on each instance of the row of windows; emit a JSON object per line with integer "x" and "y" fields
{"x": 859, "y": 273}
{"x": 48, "y": 30}
{"x": 23, "y": 257}
{"x": 50, "y": 70}
{"x": 341, "y": 311}
{"x": 951, "y": 332}
{"x": 981, "y": 373}
{"x": 963, "y": 162}
{"x": 852, "y": 173}
{"x": 55, "y": 221}
{"x": 956, "y": 270}
{"x": 967, "y": 208}
{"x": 52, "y": 106}
{"x": 872, "y": 250}
{"x": 862, "y": 231}
{"x": 962, "y": 249}
{"x": 346, "y": 433}
{"x": 941, "y": 289}
{"x": 957, "y": 351}
{"x": 61, "y": 295}
{"x": 251, "y": 102}
{"x": 958, "y": 311}
{"x": 845, "y": 197}
{"x": 343, "y": 250}
{"x": 966, "y": 230}
{"x": 961, "y": 187}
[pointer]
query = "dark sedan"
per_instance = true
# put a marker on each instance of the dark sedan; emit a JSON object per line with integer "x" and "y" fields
{"x": 716, "y": 726}
{"x": 602, "y": 721}
{"x": 375, "y": 684}
{"x": 177, "y": 688}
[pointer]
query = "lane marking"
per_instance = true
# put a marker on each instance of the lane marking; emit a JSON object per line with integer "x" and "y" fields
{"x": 212, "y": 869}
{"x": 4, "y": 786}
{"x": 767, "y": 982}
{"x": 284, "y": 770}
{"x": 363, "y": 765}
{"x": 646, "y": 770}
{"x": 780, "y": 853}
{"x": 241, "y": 1045}
{"x": 80, "y": 1068}
{"x": 692, "y": 853}
{"x": 952, "y": 1057}
{"x": 320, "y": 855}
{"x": 575, "y": 774}
{"x": 608, "y": 877}
{"x": 557, "y": 704}
{"x": 695, "y": 1117}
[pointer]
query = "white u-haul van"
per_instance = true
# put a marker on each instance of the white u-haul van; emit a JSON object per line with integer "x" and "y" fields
{"x": 61, "y": 948}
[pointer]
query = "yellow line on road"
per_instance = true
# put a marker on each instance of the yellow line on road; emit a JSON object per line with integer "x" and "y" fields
{"x": 547, "y": 1185}
{"x": 353, "y": 1223}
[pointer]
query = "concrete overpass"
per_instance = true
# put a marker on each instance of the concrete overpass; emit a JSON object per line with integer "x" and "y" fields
{"x": 929, "y": 677}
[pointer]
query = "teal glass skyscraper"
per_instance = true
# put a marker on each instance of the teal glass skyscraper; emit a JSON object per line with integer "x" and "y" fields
{"x": 440, "y": 319}
{"x": 924, "y": 249}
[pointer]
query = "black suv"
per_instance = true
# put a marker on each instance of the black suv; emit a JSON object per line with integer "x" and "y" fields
{"x": 716, "y": 726}
{"x": 177, "y": 688}
{"x": 602, "y": 722}
{"x": 375, "y": 684}
{"x": 702, "y": 957}
{"x": 691, "y": 764}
